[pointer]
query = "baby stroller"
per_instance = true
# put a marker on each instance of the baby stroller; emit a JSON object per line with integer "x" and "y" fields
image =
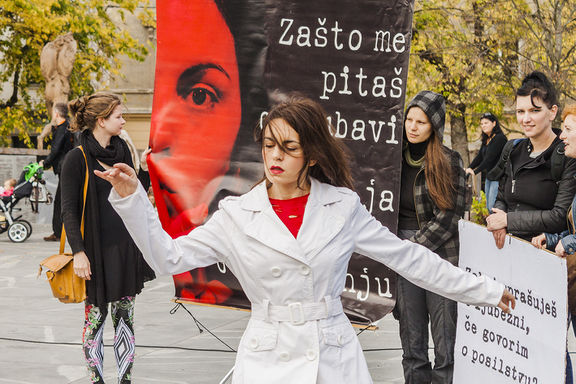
{"x": 29, "y": 185}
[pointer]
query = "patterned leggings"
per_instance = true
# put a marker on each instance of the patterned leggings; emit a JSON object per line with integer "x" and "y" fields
{"x": 92, "y": 338}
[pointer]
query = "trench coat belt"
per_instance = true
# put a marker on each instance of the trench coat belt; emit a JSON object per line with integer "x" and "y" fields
{"x": 297, "y": 313}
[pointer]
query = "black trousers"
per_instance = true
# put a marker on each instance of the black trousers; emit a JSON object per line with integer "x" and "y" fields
{"x": 57, "y": 214}
{"x": 415, "y": 309}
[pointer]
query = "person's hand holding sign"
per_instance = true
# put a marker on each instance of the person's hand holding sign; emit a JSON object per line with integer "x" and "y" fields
{"x": 560, "y": 251}
{"x": 497, "y": 223}
{"x": 539, "y": 241}
{"x": 507, "y": 302}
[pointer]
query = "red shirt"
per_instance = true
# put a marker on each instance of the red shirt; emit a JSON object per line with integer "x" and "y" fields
{"x": 7, "y": 192}
{"x": 291, "y": 212}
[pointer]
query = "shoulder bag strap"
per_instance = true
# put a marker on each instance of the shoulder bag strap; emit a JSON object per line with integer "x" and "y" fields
{"x": 557, "y": 162}
{"x": 84, "y": 192}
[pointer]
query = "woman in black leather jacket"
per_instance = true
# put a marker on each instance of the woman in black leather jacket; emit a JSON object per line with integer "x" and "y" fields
{"x": 531, "y": 200}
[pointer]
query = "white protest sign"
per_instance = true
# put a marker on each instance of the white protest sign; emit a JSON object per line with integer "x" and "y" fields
{"x": 527, "y": 346}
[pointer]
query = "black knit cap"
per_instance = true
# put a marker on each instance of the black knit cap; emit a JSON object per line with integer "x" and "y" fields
{"x": 434, "y": 106}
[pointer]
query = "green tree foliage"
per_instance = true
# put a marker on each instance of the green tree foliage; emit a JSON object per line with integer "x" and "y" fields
{"x": 457, "y": 51}
{"x": 26, "y": 26}
{"x": 548, "y": 40}
{"x": 475, "y": 52}
{"x": 478, "y": 210}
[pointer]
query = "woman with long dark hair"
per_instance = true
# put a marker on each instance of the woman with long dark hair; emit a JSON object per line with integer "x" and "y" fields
{"x": 493, "y": 141}
{"x": 432, "y": 200}
{"x": 289, "y": 241}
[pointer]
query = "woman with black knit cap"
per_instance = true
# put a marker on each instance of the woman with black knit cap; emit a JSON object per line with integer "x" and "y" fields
{"x": 432, "y": 200}
{"x": 104, "y": 253}
{"x": 493, "y": 141}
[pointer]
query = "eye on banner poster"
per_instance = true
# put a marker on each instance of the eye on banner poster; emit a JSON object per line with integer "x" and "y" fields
{"x": 222, "y": 64}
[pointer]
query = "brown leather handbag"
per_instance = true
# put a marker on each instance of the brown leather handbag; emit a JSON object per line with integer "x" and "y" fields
{"x": 66, "y": 285}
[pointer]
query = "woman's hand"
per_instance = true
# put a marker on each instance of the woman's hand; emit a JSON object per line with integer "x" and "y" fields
{"x": 82, "y": 265}
{"x": 497, "y": 223}
{"x": 497, "y": 220}
{"x": 122, "y": 177}
{"x": 469, "y": 171}
{"x": 539, "y": 241}
{"x": 507, "y": 301}
{"x": 143, "y": 163}
{"x": 499, "y": 237}
{"x": 560, "y": 251}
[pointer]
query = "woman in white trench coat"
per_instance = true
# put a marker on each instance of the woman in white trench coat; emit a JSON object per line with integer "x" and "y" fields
{"x": 297, "y": 332}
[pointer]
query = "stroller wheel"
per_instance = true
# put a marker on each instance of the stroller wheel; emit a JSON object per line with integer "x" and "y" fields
{"x": 28, "y": 225}
{"x": 18, "y": 232}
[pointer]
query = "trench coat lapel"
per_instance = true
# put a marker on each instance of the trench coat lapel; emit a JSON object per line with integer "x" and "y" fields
{"x": 266, "y": 227}
{"x": 319, "y": 226}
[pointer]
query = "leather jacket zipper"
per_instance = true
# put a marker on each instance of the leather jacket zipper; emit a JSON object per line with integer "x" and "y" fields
{"x": 532, "y": 165}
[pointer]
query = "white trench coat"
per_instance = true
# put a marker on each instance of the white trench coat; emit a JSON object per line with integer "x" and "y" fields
{"x": 297, "y": 332}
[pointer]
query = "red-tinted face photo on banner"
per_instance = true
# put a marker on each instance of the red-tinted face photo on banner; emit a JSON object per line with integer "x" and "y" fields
{"x": 221, "y": 64}
{"x": 197, "y": 111}
{"x": 196, "y": 120}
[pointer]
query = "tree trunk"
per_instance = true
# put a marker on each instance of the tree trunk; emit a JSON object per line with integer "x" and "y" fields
{"x": 458, "y": 133}
{"x": 16, "y": 83}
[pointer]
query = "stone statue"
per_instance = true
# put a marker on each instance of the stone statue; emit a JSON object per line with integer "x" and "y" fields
{"x": 56, "y": 62}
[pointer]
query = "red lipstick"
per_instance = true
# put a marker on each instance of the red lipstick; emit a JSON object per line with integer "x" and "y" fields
{"x": 275, "y": 170}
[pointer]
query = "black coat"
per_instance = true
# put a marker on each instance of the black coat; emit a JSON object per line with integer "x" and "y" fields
{"x": 117, "y": 266}
{"x": 534, "y": 201}
{"x": 488, "y": 155}
{"x": 62, "y": 143}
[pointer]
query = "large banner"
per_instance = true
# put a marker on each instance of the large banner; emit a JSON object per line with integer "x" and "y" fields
{"x": 222, "y": 64}
{"x": 528, "y": 345}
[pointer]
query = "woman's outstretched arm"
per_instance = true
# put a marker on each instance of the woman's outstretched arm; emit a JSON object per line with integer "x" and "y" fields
{"x": 203, "y": 246}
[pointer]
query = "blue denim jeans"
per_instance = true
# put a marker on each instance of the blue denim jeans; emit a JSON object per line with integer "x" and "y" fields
{"x": 491, "y": 190}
